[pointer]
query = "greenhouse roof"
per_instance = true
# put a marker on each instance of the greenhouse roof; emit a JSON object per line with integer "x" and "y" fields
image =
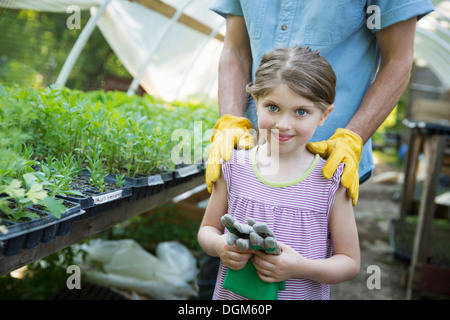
{"x": 432, "y": 43}
{"x": 170, "y": 46}
{"x": 167, "y": 46}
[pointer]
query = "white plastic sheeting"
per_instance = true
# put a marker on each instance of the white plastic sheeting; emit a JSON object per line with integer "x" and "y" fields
{"x": 432, "y": 42}
{"x": 183, "y": 63}
{"x": 170, "y": 275}
{"x": 170, "y": 59}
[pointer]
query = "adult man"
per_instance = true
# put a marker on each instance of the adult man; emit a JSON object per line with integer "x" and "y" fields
{"x": 369, "y": 44}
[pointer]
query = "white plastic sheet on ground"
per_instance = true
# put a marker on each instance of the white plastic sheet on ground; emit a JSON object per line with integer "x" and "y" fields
{"x": 128, "y": 266}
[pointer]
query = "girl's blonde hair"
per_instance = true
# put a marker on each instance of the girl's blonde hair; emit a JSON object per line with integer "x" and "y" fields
{"x": 305, "y": 72}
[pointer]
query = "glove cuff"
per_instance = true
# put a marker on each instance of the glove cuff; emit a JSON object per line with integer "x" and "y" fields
{"x": 228, "y": 121}
{"x": 353, "y": 137}
{"x": 348, "y": 133}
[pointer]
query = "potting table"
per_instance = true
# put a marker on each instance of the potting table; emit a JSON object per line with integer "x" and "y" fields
{"x": 432, "y": 138}
{"x": 95, "y": 224}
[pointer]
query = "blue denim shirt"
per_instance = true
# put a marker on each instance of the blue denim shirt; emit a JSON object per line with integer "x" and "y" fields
{"x": 343, "y": 30}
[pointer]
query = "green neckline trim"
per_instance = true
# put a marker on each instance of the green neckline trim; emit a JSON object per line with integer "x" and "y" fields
{"x": 281, "y": 184}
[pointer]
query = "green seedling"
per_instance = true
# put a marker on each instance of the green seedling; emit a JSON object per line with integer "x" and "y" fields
{"x": 96, "y": 168}
{"x": 120, "y": 179}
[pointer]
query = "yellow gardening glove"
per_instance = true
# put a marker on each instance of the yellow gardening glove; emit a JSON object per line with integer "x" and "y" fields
{"x": 229, "y": 132}
{"x": 344, "y": 146}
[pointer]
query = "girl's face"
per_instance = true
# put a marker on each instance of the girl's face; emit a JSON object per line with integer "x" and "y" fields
{"x": 288, "y": 119}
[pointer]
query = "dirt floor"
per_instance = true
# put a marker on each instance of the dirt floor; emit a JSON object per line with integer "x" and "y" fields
{"x": 377, "y": 205}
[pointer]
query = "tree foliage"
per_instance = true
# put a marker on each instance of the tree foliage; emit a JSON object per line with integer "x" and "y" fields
{"x": 36, "y": 44}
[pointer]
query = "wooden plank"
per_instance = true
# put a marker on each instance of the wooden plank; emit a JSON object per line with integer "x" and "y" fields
{"x": 433, "y": 151}
{"x": 411, "y": 163}
{"x": 168, "y": 11}
{"x": 431, "y": 111}
{"x": 93, "y": 225}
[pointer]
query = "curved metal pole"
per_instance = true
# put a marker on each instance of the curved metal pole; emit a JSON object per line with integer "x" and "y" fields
{"x": 79, "y": 45}
{"x": 135, "y": 84}
{"x": 433, "y": 37}
{"x": 435, "y": 63}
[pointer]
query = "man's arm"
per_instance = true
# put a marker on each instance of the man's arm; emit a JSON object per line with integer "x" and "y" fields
{"x": 396, "y": 44}
{"x": 234, "y": 67}
{"x": 234, "y": 74}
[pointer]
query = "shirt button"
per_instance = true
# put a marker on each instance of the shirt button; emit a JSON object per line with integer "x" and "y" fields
{"x": 283, "y": 27}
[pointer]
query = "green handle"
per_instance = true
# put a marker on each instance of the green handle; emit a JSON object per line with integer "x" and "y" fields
{"x": 247, "y": 283}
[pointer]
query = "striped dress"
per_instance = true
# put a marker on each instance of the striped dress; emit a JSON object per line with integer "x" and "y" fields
{"x": 297, "y": 212}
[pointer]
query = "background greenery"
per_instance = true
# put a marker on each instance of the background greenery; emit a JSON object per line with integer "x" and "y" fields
{"x": 35, "y": 45}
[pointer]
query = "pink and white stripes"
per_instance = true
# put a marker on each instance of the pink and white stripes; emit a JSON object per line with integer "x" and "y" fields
{"x": 297, "y": 213}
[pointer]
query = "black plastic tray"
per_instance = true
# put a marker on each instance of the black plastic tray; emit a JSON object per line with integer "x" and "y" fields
{"x": 144, "y": 185}
{"x": 93, "y": 201}
{"x": 28, "y": 234}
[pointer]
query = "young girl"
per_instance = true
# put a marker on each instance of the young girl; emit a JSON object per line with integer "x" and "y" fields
{"x": 280, "y": 182}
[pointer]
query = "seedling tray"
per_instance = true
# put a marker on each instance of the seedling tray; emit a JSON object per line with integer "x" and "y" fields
{"x": 93, "y": 201}
{"x": 184, "y": 173}
{"x": 140, "y": 180}
{"x": 28, "y": 234}
{"x": 144, "y": 185}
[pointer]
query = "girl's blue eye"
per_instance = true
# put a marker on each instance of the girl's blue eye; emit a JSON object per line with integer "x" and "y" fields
{"x": 273, "y": 108}
{"x": 301, "y": 112}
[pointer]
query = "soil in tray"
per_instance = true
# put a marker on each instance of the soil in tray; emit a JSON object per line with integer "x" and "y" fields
{"x": 66, "y": 204}
{"x": 12, "y": 205}
{"x": 138, "y": 179}
{"x": 41, "y": 211}
{"x": 82, "y": 183}
{"x": 4, "y": 216}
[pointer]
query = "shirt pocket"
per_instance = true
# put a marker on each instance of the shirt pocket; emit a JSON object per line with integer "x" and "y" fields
{"x": 331, "y": 22}
{"x": 254, "y": 16}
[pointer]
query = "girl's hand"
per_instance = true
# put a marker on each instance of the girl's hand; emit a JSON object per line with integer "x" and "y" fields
{"x": 277, "y": 268}
{"x": 231, "y": 256}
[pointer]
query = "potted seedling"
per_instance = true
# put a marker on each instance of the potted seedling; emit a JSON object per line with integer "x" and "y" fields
{"x": 96, "y": 169}
{"x": 101, "y": 193}
{"x": 30, "y": 214}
